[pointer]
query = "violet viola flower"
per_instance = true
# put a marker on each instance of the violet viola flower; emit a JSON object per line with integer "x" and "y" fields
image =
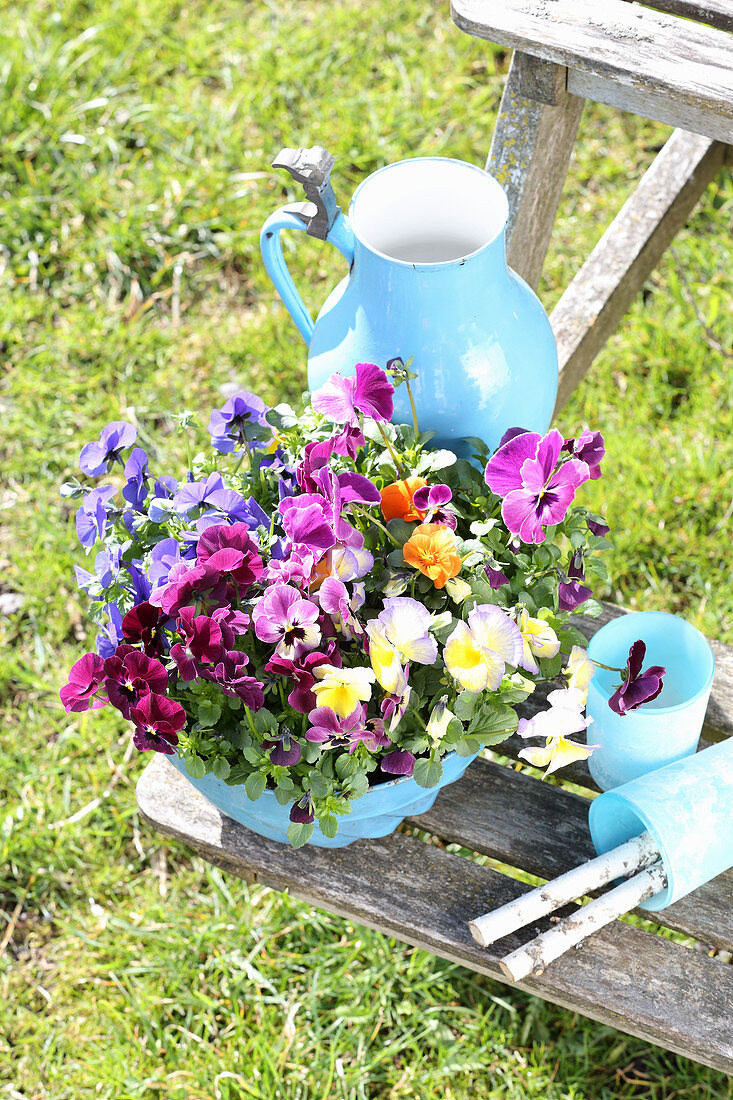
{"x": 432, "y": 499}
{"x": 98, "y": 457}
{"x": 536, "y": 493}
{"x": 342, "y": 399}
{"x": 165, "y": 555}
{"x": 638, "y": 687}
{"x": 238, "y": 423}
{"x": 228, "y": 672}
{"x": 201, "y": 643}
{"x": 86, "y": 677}
{"x": 306, "y": 521}
{"x": 302, "y": 698}
{"x": 571, "y": 593}
{"x": 130, "y": 675}
{"x": 110, "y": 635}
{"x": 135, "y": 491}
{"x": 283, "y": 750}
{"x": 234, "y": 537}
{"x": 144, "y": 623}
{"x": 327, "y": 728}
{"x": 399, "y": 762}
{"x": 301, "y": 812}
{"x": 284, "y": 617}
{"x": 91, "y": 517}
{"x": 158, "y": 721}
{"x": 188, "y": 584}
{"x": 495, "y": 577}
{"x": 589, "y": 448}
{"x": 348, "y": 442}
{"x": 598, "y": 527}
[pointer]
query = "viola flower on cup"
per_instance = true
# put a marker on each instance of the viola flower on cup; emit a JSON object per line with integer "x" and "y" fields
{"x": 319, "y": 602}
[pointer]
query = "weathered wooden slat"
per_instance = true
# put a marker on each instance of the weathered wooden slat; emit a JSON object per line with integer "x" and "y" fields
{"x": 601, "y": 292}
{"x": 529, "y": 156}
{"x": 649, "y": 104}
{"x": 543, "y": 829}
{"x": 689, "y": 65}
{"x": 633, "y": 980}
{"x": 717, "y": 13}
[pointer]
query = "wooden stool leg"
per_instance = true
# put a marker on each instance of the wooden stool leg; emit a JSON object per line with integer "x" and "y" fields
{"x": 529, "y": 155}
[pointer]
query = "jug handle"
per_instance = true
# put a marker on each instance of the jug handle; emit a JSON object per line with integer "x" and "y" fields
{"x": 292, "y": 217}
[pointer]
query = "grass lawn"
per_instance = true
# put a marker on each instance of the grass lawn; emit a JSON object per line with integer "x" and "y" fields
{"x": 134, "y": 177}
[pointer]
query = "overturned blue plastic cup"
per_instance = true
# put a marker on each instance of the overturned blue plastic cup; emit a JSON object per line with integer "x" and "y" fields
{"x": 686, "y": 807}
{"x": 663, "y": 730}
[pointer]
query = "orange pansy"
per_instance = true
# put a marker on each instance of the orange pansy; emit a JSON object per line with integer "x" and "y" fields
{"x": 397, "y": 499}
{"x": 432, "y": 550}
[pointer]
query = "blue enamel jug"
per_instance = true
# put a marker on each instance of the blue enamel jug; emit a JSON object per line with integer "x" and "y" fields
{"x": 427, "y": 281}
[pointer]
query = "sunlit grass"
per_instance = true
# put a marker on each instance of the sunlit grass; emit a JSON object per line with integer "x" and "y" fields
{"x": 138, "y": 143}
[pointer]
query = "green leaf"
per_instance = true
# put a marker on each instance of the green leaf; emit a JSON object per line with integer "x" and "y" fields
{"x": 570, "y": 636}
{"x": 209, "y": 712}
{"x": 299, "y": 833}
{"x": 428, "y": 772}
{"x": 465, "y": 705}
{"x": 493, "y": 718}
{"x": 550, "y": 666}
{"x": 221, "y": 767}
{"x": 592, "y": 608}
{"x": 329, "y": 825}
{"x": 319, "y": 786}
{"x": 195, "y": 767}
{"x": 467, "y": 746}
{"x": 401, "y": 530}
{"x": 282, "y": 796}
{"x": 254, "y": 785}
{"x": 435, "y": 460}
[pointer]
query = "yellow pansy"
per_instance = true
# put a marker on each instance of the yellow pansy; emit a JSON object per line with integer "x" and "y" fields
{"x": 342, "y": 689}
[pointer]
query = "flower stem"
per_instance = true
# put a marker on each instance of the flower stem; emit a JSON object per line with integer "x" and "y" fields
{"x": 414, "y": 410}
{"x": 373, "y": 519}
{"x": 398, "y": 465}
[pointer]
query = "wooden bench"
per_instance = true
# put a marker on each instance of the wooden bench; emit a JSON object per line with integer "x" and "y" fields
{"x": 424, "y": 883}
{"x": 415, "y": 887}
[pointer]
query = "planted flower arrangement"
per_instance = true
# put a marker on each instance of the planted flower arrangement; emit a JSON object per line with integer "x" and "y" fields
{"x": 321, "y": 605}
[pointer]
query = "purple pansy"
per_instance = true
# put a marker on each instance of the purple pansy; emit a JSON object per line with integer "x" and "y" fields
{"x": 283, "y": 750}
{"x": 129, "y": 675}
{"x": 536, "y": 492}
{"x": 284, "y": 617}
{"x": 432, "y": 500}
{"x": 327, "y": 728}
{"x": 306, "y": 521}
{"x": 598, "y": 527}
{"x": 399, "y": 762}
{"x": 137, "y": 473}
{"x": 638, "y": 687}
{"x": 110, "y": 635}
{"x": 97, "y": 458}
{"x": 495, "y": 577}
{"x": 238, "y": 423}
{"x": 589, "y": 448}
{"x": 247, "y": 569}
{"x": 86, "y": 677}
{"x": 302, "y": 698}
{"x": 158, "y": 721}
{"x": 301, "y": 812}
{"x": 165, "y": 555}
{"x": 201, "y": 643}
{"x": 91, "y": 518}
{"x": 144, "y": 624}
{"x": 571, "y": 592}
{"x": 369, "y": 392}
{"x": 228, "y": 672}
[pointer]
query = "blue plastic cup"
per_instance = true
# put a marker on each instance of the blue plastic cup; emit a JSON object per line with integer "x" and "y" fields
{"x": 663, "y": 730}
{"x": 687, "y": 807}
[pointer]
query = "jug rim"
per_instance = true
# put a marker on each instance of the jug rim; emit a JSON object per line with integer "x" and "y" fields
{"x": 498, "y": 190}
